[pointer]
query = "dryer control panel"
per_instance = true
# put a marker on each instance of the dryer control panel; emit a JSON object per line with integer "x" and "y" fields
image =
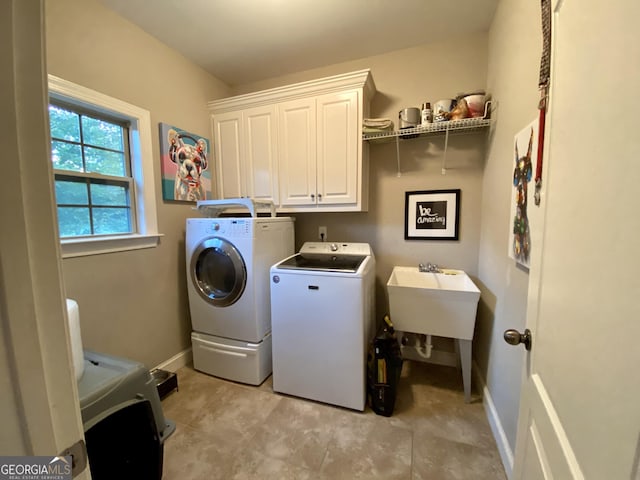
{"x": 228, "y": 227}
{"x": 232, "y": 227}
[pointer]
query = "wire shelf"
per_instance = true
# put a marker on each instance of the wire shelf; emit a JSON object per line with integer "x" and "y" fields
{"x": 466, "y": 125}
{"x": 452, "y": 127}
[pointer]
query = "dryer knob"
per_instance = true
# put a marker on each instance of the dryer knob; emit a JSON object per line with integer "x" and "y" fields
{"x": 216, "y": 227}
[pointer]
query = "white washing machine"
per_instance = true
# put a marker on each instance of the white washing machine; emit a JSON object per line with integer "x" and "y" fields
{"x": 228, "y": 262}
{"x": 322, "y": 314}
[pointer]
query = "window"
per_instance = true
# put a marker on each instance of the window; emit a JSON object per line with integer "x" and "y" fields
{"x": 93, "y": 182}
{"x": 101, "y": 156}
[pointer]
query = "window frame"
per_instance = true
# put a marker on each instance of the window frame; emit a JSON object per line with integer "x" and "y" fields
{"x": 95, "y": 178}
{"x": 144, "y": 212}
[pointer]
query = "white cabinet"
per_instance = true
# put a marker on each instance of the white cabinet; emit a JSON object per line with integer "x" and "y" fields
{"x": 245, "y": 145}
{"x": 227, "y": 144}
{"x": 318, "y": 150}
{"x": 338, "y": 149}
{"x": 299, "y": 145}
{"x": 297, "y": 151}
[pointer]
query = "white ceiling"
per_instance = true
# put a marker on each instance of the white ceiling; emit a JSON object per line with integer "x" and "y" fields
{"x": 242, "y": 41}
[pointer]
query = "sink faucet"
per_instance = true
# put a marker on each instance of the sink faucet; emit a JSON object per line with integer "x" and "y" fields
{"x": 429, "y": 267}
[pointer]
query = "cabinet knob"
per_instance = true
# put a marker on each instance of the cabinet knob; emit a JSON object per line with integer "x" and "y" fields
{"x": 313, "y": 196}
{"x": 319, "y": 197}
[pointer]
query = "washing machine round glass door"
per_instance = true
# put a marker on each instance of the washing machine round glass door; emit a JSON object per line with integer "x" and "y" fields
{"x": 218, "y": 272}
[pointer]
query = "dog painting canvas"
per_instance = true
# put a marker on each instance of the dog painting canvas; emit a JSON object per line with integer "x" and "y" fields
{"x": 186, "y": 176}
{"x": 526, "y": 219}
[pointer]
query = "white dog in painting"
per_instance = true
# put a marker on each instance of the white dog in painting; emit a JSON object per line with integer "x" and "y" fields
{"x": 191, "y": 161}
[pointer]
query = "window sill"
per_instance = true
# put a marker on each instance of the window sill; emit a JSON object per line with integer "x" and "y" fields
{"x": 83, "y": 247}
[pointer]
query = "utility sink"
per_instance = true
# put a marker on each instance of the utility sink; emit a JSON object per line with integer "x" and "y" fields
{"x": 442, "y": 304}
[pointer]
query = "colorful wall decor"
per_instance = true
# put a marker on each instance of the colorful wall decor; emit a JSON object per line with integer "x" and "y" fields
{"x": 185, "y": 161}
{"x": 526, "y": 219}
{"x": 432, "y": 215}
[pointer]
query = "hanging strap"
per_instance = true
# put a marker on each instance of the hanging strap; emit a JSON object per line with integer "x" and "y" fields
{"x": 543, "y": 85}
{"x": 545, "y": 60}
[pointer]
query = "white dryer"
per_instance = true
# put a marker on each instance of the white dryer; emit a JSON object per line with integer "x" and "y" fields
{"x": 322, "y": 312}
{"x": 227, "y": 261}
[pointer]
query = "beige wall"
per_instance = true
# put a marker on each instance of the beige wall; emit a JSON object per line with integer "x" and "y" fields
{"x": 514, "y": 59}
{"x": 407, "y": 78}
{"x": 134, "y": 303}
{"x": 12, "y": 438}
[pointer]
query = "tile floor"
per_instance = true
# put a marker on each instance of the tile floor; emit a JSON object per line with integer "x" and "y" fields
{"x": 227, "y": 430}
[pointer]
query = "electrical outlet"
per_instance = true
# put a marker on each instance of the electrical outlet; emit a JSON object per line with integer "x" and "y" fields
{"x": 322, "y": 234}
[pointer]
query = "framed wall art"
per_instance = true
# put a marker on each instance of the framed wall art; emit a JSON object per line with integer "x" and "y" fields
{"x": 185, "y": 162}
{"x": 432, "y": 215}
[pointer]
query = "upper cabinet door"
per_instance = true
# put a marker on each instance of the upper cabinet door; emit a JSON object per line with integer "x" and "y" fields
{"x": 338, "y": 143}
{"x": 228, "y": 141}
{"x": 259, "y": 165}
{"x": 297, "y": 151}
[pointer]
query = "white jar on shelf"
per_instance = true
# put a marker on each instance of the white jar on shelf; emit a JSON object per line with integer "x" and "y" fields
{"x": 426, "y": 114}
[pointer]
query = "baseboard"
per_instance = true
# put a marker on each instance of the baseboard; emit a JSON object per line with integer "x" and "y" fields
{"x": 506, "y": 454}
{"x": 178, "y": 361}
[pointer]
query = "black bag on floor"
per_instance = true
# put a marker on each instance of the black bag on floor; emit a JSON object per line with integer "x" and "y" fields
{"x": 384, "y": 365}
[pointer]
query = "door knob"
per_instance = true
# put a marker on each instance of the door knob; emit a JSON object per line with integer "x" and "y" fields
{"x": 514, "y": 337}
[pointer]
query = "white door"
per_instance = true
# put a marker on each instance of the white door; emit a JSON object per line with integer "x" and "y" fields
{"x": 260, "y": 153}
{"x": 227, "y": 135}
{"x": 297, "y": 151}
{"x": 338, "y": 140}
{"x": 580, "y": 407}
{"x": 40, "y": 411}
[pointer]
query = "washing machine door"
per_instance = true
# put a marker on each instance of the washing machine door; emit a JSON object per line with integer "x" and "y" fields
{"x": 218, "y": 272}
